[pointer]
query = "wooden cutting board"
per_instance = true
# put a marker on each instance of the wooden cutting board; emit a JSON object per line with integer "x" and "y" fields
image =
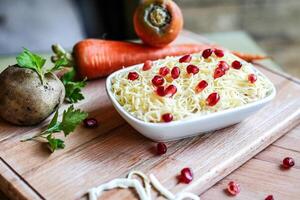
{"x": 95, "y": 156}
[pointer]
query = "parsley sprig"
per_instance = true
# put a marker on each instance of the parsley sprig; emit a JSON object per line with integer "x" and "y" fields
{"x": 70, "y": 120}
{"x": 33, "y": 61}
{"x": 73, "y": 88}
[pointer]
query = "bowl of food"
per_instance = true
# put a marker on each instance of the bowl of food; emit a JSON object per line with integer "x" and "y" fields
{"x": 183, "y": 96}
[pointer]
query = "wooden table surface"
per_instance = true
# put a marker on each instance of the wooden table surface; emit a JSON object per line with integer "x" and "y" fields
{"x": 261, "y": 175}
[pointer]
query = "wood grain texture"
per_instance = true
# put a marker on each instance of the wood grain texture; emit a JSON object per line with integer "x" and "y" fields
{"x": 95, "y": 156}
{"x": 263, "y": 174}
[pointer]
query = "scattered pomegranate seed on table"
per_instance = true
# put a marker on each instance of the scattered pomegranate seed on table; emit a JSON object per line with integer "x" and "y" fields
{"x": 192, "y": 69}
{"x": 186, "y": 175}
{"x": 170, "y": 90}
{"x": 206, "y": 53}
{"x": 269, "y": 197}
{"x": 133, "y": 76}
{"x": 219, "y": 53}
{"x": 164, "y": 71}
{"x": 160, "y": 91}
{"x": 90, "y": 123}
{"x": 147, "y": 65}
{"x": 219, "y": 72}
{"x": 233, "y": 188}
{"x": 252, "y": 78}
{"x": 161, "y": 148}
{"x": 236, "y": 64}
{"x": 288, "y": 162}
{"x": 212, "y": 99}
{"x": 175, "y": 72}
{"x": 186, "y": 59}
{"x": 201, "y": 86}
{"x": 167, "y": 117}
{"x": 223, "y": 65}
{"x": 158, "y": 80}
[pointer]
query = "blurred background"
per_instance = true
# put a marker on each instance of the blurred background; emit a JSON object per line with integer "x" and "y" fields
{"x": 36, "y": 24}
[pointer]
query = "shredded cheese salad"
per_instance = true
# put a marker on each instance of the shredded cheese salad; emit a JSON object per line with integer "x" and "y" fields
{"x": 140, "y": 98}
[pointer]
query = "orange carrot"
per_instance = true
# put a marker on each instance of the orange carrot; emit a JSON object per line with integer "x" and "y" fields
{"x": 96, "y": 58}
{"x": 158, "y": 23}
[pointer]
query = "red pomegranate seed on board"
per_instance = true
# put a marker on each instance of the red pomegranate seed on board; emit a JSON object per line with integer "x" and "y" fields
{"x": 133, "y": 76}
{"x": 252, "y": 78}
{"x": 186, "y": 59}
{"x": 201, "y": 85}
{"x": 160, "y": 91}
{"x": 147, "y": 65}
{"x": 223, "y": 65}
{"x": 90, "y": 123}
{"x": 219, "y": 53}
{"x": 175, "y": 72}
{"x": 288, "y": 162}
{"x": 186, "y": 175}
{"x": 164, "y": 71}
{"x": 170, "y": 90}
{"x": 219, "y": 72}
{"x": 192, "y": 69}
{"x": 157, "y": 80}
{"x": 212, "y": 99}
{"x": 269, "y": 197}
{"x": 167, "y": 117}
{"x": 161, "y": 148}
{"x": 236, "y": 64}
{"x": 233, "y": 188}
{"x": 206, "y": 53}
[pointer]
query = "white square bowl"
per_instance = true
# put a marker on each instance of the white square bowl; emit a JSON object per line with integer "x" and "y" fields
{"x": 191, "y": 126}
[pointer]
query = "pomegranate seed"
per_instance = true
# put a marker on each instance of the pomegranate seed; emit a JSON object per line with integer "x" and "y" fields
{"x": 164, "y": 71}
{"x": 167, "y": 117}
{"x": 223, "y": 65}
{"x": 160, "y": 91}
{"x": 170, "y": 90}
{"x": 252, "y": 78}
{"x": 161, "y": 148}
{"x": 186, "y": 175}
{"x": 175, "y": 72}
{"x": 219, "y": 53}
{"x": 269, "y": 197}
{"x": 236, "y": 64}
{"x": 213, "y": 99}
{"x": 186, "y": 59}
{"x": 288, "y": 162}
{"x": 133, "y": 76}
{"x": 147, "y": 65}
{"x": 90, "y": 123}
{"x": 158, "y": 80}
{"x": 219, "y": 72}
{"x": 233, "y": 188}
{"x": 206, "y": 53}
{"x": 201, "y": 85}
{"x": 192, "y": 69}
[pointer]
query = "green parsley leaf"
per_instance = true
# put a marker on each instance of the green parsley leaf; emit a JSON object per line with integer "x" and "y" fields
{"x": 71, "y": 118}
{"x": 55, "y": 143}
{"x": 68, "y": 77}
{"x": 59, "y": 64}
{"x": 32, "y": 61}
{"x": 54, "y": 126}
{"x": 73, "y": 91}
